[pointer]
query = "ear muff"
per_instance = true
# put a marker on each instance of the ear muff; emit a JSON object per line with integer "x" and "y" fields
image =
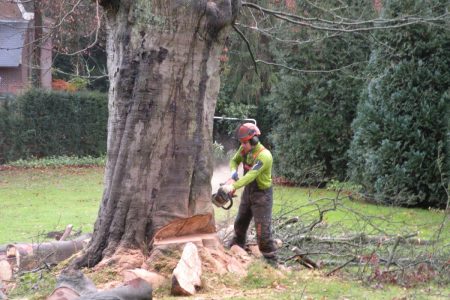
{"x": 254, "y": 140}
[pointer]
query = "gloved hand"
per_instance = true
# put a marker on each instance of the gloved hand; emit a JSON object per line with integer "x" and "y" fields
{"x": 234, "y": 175}
{"x": 228, "y": 188}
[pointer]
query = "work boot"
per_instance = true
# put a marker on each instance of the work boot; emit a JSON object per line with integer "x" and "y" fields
{"x": 234, "y": 241}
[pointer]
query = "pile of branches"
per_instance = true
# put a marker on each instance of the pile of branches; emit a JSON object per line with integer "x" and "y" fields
{"x": 373, "y": 248}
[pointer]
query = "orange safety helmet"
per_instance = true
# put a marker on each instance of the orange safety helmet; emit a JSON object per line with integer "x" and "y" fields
{"x": 247, "y": 131}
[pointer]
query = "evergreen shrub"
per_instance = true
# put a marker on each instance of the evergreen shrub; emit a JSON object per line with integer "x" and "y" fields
{"x": 400, "y": 149}
{"x": 312, "y": 132}
{"x": 59, "y": 161}
{"x": 312, "y": 113}
{"x": 8, "y": 124}
{"x": 52, "y": 123}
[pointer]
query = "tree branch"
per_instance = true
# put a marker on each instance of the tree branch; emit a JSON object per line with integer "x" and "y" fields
{"x": 341, "y": 266}
{"x": 341, "y": 26}
{"x": 309, "y": 71}
{"x": 248, "y": 47}
{"x": 296, "y": 42}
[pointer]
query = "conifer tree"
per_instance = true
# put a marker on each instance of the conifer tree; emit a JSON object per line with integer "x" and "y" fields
{"x": 314, "y": 103}
{"x": 399, "y": 152}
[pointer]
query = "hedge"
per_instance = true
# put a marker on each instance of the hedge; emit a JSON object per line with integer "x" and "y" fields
{"x": 44, "y": 123}
{"x": 401, "y": 133}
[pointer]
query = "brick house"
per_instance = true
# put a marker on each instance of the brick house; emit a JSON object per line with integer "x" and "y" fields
{"x": 16, "y": 49}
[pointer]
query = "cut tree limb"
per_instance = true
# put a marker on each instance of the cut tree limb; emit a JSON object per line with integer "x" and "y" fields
{"x": 341, "y": 266}
{"x": 303, "y": 259}
{"x": 63, "y": 293}
{"x": 66, "y": 232}
{"x": 136, "y": 289}
{"x": 364, "y": 239}
{"x": 30, "y": 256}
{"x": 72, "y": 284}
{"x": 6, "y": 270}
{"x": 289, "y": 221}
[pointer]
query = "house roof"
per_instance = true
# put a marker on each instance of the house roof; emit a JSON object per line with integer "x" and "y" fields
{"x": 9, "y": 11}
{"x": 12, "y": 36}
{"x": 16, "y": 10}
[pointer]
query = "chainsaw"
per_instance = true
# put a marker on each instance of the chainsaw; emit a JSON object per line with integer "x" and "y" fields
{"x": 222, "y": 199}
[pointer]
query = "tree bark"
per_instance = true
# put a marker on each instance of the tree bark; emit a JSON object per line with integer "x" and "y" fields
{"x": 163, "y": 69}
{"x": 37, "y": 45}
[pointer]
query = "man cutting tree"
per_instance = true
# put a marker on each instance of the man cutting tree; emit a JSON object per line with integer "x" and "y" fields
{"x": 257, "y": 198}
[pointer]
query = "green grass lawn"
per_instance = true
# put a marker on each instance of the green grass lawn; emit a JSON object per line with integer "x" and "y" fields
{"x": 36, "y": 201}
{"x": 356, "y": 216}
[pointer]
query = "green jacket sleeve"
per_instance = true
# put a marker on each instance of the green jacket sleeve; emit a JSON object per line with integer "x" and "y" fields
{"x": 236, "y": 160}
{"x": 261, "y": 171}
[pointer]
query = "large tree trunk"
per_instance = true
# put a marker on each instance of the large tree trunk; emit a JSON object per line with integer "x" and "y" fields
{"x": 163, "y": 69}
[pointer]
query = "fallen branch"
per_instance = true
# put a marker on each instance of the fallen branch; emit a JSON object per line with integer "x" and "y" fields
{"x": 72, "y": 284}
{"x": 66, "y": 232}
{"x": 303, "y": 259}
{"x": 30, "y": 256}
{"x": 392, "y": 252}
{"x": 289, "y": 221}
{"x": 340, "y": 267}
{"x": 364, "y": 239}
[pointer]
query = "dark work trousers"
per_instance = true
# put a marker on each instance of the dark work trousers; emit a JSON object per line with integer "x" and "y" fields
{"x": 255, "y": 203}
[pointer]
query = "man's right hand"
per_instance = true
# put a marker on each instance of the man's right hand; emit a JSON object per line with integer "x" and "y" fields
{"x": 228, "y": 188}
{"x": 234, "y": 175}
